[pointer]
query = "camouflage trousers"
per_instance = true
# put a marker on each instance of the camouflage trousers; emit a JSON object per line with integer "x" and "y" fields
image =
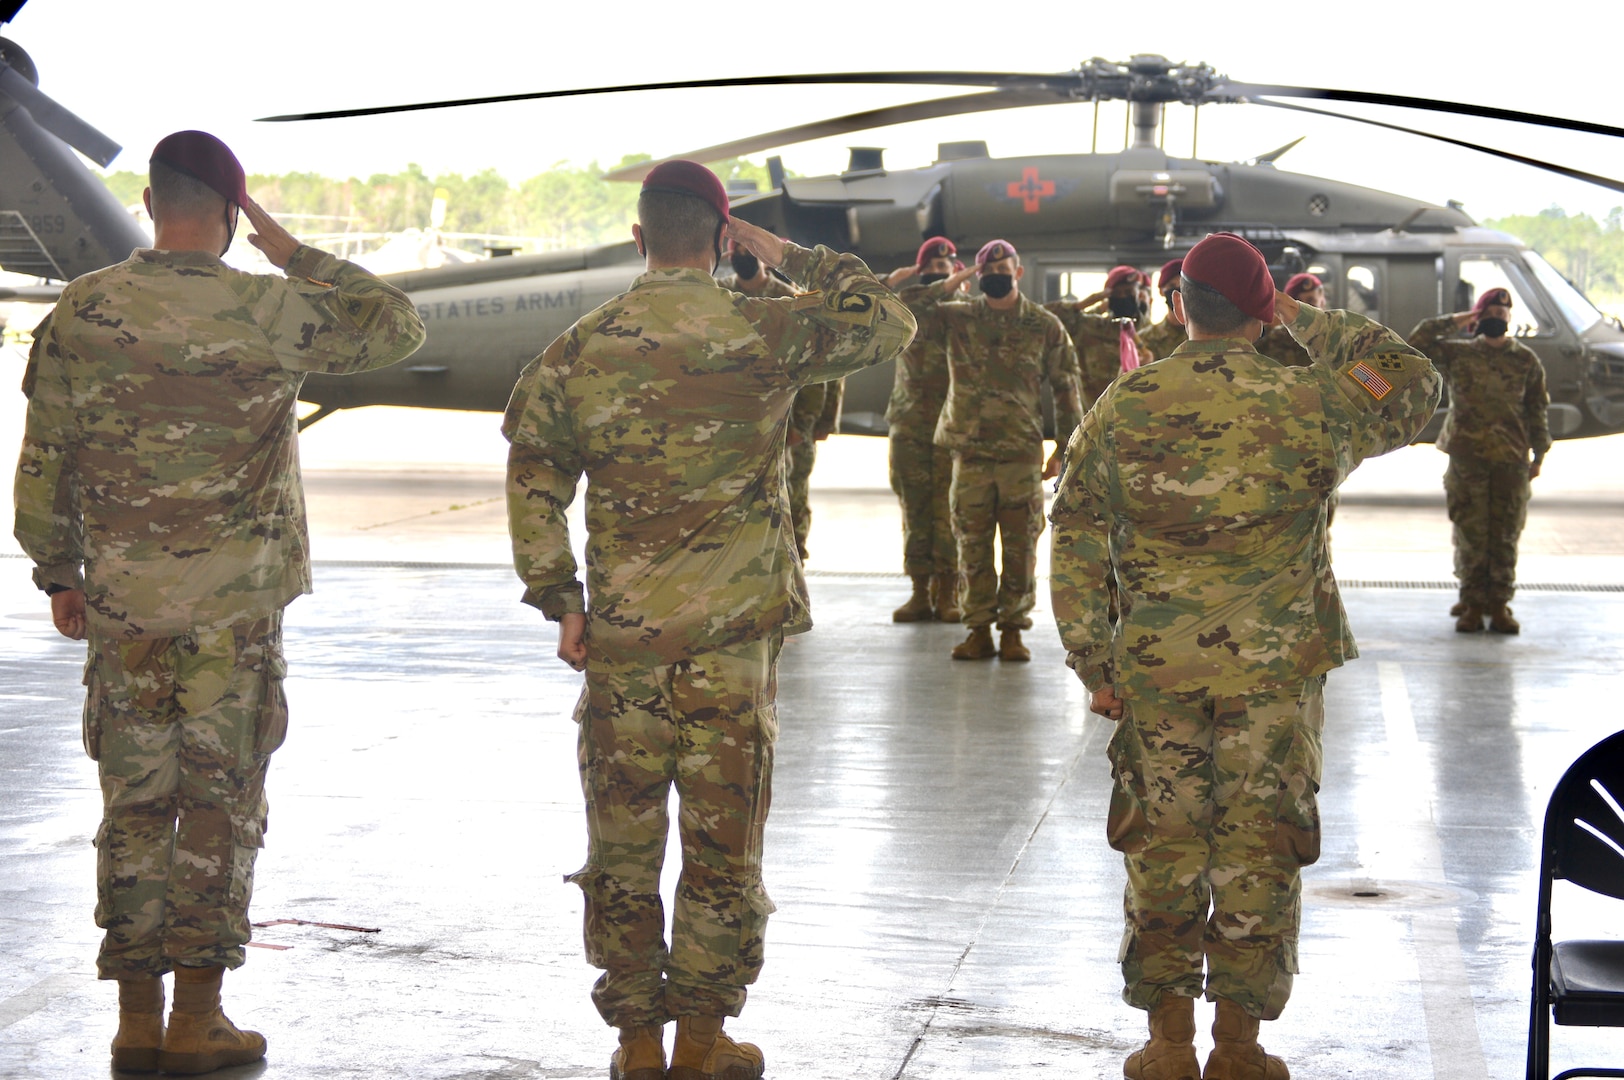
{"x": 182, "y": 730}
{"x": 707, "y": 725}
{"x": 1006, "y": 498}
{"x": 1214, "y": 809}
{"x": 798, "y": 461}
{"x": 1488, "y": 507}
{"x": 922, "y": 477}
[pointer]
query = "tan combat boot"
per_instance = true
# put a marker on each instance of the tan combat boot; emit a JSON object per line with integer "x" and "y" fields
{"x": 702, "y": 1052}
{"x": 200, "y": 1039}
{"x": 1170, "y": 1053}
{"x": 641, "y": 1055}
{"x": 978, "y": 646}
{"x": 1470, "y": 621}
{"x": 917, "y": 609}
{"x": 140, "y": 1024}
{"x": 1501, "y": 622}
{"x": 1010, "y": 647}
{"x": 946, "y": 590}
{"x": 1458, "y": 610}
{"x": 1235, "y": 1052}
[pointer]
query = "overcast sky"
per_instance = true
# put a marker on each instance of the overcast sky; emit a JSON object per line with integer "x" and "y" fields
{"x": 138, "y": 71}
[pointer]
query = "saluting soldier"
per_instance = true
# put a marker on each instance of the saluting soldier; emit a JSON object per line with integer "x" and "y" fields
{"x": 673, "y": 400}
{"x": 1277, "y": 343}
{"x": 921, "y": 471}
{"x": 158, "y": 494}
{"x": 1099, "y": 338}
{"x": 1497, "y": 418}
{"x": 1197, "y": 483}
{"x": 1002, "y": 348}
{"x": 1160, "y": 340}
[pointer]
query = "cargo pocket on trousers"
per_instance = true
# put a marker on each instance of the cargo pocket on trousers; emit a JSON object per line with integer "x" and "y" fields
{"x": 246, "y": 840}
{"x": 271, "y": 726}
{"x": 90, "y": 729}
{"x": 1297, "y": 821}
{"x": 596, "y": 930}
{"x": 1127, "y": 826}
{"x": 104, "y": 873}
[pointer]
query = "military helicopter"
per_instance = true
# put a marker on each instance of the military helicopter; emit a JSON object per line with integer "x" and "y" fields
{"x": 1395, "y": 258}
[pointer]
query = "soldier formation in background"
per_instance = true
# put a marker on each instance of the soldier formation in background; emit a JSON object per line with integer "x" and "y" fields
{"x": 1497, "y": 417}
{"x": 1107, "y": 344}
{"x": 159, "y": 496}
{"x": 692, "y": 585}
{"x": 1002, "y": 348}
{"x": 921, "y": 471}
{"x": 1229, "y": 621}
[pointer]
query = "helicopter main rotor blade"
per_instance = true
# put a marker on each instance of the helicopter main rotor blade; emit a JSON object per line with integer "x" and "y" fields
{"x": 1058, "y": 83}
{"x": 56, "y": 119}
{"x": 1560, "y": 170}
{"x": 843, "y": 125}
{"x": 1254, "y": 90}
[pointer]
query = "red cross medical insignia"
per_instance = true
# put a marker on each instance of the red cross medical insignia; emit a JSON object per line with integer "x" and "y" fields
{"x": 1030, "y": 189}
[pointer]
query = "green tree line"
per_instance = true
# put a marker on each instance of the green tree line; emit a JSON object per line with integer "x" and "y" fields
{"x": 564, "y": 207}
{"x": 1588, "y": 252}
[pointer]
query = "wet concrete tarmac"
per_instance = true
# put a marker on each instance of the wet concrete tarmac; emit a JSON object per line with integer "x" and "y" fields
{"x": 947, "y": 904}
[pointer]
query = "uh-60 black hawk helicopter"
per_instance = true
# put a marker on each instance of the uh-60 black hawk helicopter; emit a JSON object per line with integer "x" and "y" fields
{"x": 1394, "y": 258}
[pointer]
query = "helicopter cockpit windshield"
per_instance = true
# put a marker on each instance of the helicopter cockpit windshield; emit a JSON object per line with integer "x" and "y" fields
{"x": 1480, "y": 273}
{"x": 1578, "y": 312}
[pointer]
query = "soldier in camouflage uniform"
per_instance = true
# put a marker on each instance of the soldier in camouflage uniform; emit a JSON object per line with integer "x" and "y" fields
{"x": 1497, "y": 416}
{"x": 1198, "y": 483}
{"x": 1277, "y": 342}
{"x": 921, "y": 471}
{"x": 1001, "y": 349}
{"x": 1160, "y": 340}
{"x": 1101, "y": 339}
{"x": 166, "y": 386}
{"x": 673, "y": 400}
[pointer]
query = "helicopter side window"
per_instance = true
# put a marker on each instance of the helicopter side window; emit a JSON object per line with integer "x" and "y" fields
{"x": 1363, "y": 295}
{"x": 1478, "y": 274}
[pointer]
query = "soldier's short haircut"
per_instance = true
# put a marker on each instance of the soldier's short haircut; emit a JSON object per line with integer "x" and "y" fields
{"x": 175, "y": 194}
{"x": 1209, "y": 310}
{"x": 677, "y": 226}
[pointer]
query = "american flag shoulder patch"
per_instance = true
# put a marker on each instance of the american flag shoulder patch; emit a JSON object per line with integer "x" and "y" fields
{"x": 1367, "y": 377}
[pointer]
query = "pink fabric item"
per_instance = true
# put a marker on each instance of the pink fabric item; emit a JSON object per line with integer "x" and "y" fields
{"x": 1127, "y": 348}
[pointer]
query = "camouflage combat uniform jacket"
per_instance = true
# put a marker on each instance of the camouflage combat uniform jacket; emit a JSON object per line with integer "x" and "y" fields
{"x": 919, "y": 389}
{"x": 998, "y": 362}
{"x": 1098, "y": 339}
{"x": 1498, "y": 404}
{"x": 1278, "y": 345}
{"x": 682, "y": 447}
{"x": 1160, "y": 340}
{"x": 160, "y": 466}
{"x": 1201, "y": 479}
{"x": 817, "y": 405}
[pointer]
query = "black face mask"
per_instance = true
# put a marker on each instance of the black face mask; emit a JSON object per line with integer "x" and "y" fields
{"x": 931, "y": 279}
{"x": 997, "y": 286}
{"x": 1492, "y": 328}
{"x": 746, "y": 265}
{"x": 1125, "y": 307}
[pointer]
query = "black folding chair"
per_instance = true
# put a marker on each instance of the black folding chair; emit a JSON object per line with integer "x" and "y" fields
{"x": 1580, "y": 983}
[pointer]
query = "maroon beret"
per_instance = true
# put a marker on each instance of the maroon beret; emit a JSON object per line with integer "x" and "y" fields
{"x": 1301, "y": 283}
{"x": 993, "y": 250}
{"x": 1168, "y": 276}
{"x": 682, "y": 177}
{"x": 1120, "y": 274}
{"x": 206, "y": 159}
{"x": 937, "y": 247}
{"x": 1502, "y": 297}
{"x": 1236, "y": 270}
